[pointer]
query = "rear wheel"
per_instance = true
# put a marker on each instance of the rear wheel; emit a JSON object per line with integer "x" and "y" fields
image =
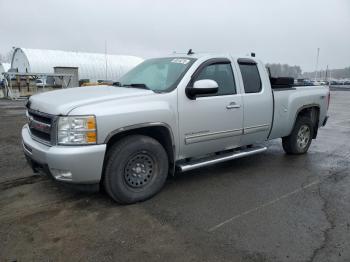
{"x": 136, "y": 169}
{"x": 299, "y": 141}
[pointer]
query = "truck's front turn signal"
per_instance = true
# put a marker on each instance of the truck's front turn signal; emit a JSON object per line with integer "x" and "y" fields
{"x": 91, "y": 137}
{"x": 91, "y": 123}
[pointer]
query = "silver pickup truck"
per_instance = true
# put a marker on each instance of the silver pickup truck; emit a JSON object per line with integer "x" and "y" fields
{"x": 168, "y": 114}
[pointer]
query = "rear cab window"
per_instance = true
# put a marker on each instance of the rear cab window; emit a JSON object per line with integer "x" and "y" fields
{"x": 250, "y": 75}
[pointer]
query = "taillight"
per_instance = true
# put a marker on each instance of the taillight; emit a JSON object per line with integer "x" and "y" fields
{"x": 328, "y": 99}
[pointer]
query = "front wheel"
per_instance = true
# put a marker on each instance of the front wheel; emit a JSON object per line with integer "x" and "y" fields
{"x": 299, "y": 141}
{"x": 136, "y": 169}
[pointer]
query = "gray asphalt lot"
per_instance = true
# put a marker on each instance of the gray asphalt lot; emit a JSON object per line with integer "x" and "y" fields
{"x": 267, "y": 207}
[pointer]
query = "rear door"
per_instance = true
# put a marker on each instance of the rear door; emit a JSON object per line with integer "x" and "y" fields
{"x": 257, "y": 100}
{"x": 211, "y": 122}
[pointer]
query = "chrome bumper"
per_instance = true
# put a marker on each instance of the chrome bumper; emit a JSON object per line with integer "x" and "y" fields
{"x": 75, "y": 164}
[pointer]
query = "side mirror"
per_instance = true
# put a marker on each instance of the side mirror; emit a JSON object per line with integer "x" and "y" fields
{"x": 202, "y": 87}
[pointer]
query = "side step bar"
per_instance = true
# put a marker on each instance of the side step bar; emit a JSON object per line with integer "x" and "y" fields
{"x": 218, "y": 159}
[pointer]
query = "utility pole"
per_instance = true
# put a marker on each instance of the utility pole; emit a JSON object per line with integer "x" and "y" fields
{"x": 106, "y": 60}
{"x": 318, "y": 54}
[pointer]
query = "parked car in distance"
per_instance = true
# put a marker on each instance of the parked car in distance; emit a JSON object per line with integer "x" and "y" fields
{"x": 40, "y": 82}
{"x": 168, "y": 114}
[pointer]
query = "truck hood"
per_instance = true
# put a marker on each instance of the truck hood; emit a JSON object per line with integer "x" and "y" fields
{"x": 61, "y": 102}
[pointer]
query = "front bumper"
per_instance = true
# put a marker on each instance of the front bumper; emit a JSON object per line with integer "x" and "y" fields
{"x": 84, "y": 164}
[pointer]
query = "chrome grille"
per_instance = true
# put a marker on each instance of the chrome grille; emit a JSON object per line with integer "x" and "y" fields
{"x": 40, "y": 126}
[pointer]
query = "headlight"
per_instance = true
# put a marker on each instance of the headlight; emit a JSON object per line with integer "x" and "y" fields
{"x": 76, "y": 130}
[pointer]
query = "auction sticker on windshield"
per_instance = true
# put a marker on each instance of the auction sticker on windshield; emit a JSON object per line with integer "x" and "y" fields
{"x": 180, "y": 61}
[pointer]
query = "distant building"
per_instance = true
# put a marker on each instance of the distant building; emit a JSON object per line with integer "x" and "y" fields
{"x": 91, "y": 66}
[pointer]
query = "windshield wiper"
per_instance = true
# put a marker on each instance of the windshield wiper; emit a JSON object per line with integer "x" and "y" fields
{"x": 143, "y": 86}
{"x": 116, "y": 84}
{"x": 136, "y": 85}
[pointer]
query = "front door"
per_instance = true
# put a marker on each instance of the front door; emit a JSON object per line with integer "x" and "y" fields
{"x": 212, "y": 122}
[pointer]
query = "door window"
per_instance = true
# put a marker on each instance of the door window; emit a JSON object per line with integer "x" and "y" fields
{"x": 222, "y": 74}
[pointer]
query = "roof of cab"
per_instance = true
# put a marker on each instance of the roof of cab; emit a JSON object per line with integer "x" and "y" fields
{"x": 211, "y": 55}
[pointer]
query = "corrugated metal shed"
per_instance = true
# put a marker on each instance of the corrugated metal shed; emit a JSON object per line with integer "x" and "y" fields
{"x": 4, "y": 67}
{"x": 90, "y": 65}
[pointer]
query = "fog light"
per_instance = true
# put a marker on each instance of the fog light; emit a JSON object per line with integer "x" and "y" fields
{"x": 61, "y": 174}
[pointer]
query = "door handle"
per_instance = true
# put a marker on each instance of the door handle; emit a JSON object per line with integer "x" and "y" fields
{"x": 233, "y": 105}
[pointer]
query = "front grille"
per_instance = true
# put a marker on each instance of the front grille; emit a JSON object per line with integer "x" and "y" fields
{"x": 40, "y": 126}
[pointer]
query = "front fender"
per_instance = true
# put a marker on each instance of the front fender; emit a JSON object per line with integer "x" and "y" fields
{"x": 116, "y": 115}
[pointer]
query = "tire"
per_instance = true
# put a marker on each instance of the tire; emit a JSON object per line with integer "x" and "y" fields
{"x": 299, "y": 141}
{"x": 136, "y": 169}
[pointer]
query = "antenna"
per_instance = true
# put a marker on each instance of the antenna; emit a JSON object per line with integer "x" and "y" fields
{"x": 190, "y": 52}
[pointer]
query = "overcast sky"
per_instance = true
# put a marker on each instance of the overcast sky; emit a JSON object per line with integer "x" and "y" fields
{"x": 277, "y": 30}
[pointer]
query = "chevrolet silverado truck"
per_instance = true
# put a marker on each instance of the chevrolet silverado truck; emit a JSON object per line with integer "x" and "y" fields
{"x": 167, "y": 115}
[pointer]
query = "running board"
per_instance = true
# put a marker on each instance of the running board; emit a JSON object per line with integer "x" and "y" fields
{"x": 218, "y": 159}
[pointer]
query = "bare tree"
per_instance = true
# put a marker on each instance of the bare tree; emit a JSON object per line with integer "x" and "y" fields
{"x": 278, "y": 70}
{"x": 334, "y": 73}
{"x": 6, "y": 57}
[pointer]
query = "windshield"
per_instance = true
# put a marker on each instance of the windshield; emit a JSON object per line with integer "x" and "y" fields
{"x": 157, "y": 74}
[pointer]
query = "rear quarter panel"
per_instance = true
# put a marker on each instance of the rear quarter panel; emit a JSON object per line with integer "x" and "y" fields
{"x": 289, "y": 102}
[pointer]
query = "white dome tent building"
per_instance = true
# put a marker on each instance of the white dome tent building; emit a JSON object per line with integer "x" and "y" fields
{"x": 90, "y": 66}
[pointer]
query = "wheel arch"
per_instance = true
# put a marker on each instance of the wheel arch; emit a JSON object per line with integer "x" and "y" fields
{"x": 161, "y": 132}
{"x": 313, "y": 112}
